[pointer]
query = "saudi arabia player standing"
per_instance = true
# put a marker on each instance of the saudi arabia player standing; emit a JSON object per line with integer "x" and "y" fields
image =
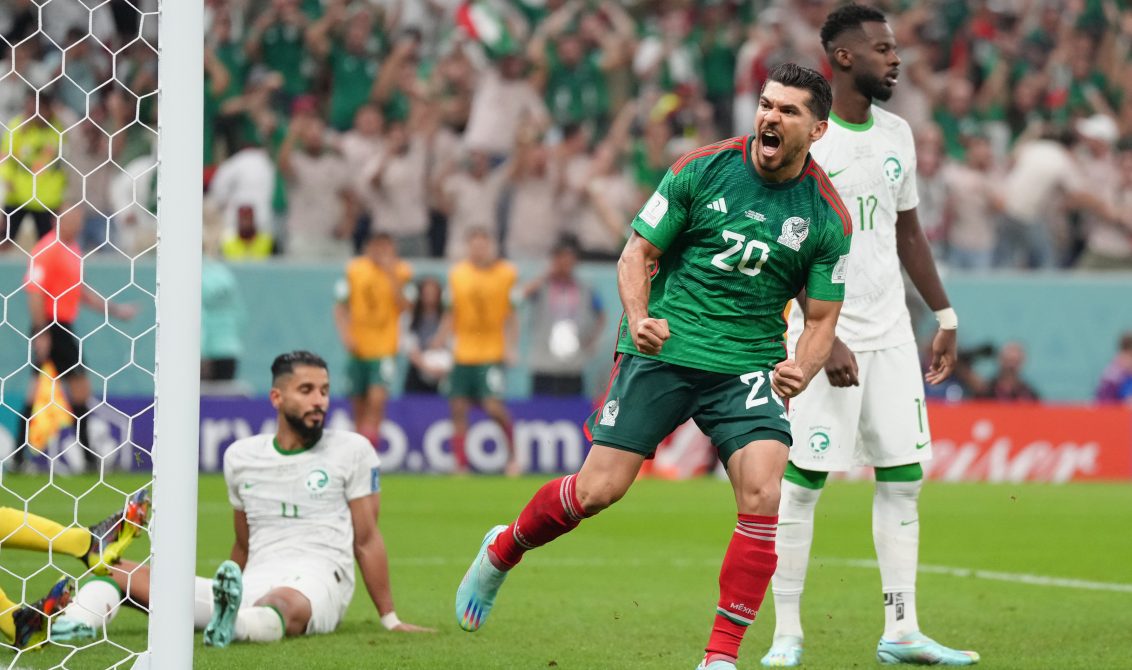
{"x": 305, "y": 502}
{"x": 734, "y": 231}
{"x": 867, "y": 408}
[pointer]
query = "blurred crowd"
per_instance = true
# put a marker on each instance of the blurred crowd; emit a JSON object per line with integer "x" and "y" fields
{"x": 326, "y": 119}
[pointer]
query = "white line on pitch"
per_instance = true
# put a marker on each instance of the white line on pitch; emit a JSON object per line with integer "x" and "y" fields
{"x": 969, "y": 573}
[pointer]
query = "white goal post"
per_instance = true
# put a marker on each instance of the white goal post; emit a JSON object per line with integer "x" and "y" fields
{"x": 177, "y": 384}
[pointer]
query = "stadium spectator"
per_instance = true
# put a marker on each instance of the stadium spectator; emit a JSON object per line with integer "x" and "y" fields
{"x": 248, "y": 242}
{"x": 533, "y": 221}
{"x": 1108, "y": 240}
{"x": 345, "y": 39}
{"x": 1099, "y": 169}
{"x": 1034, "y": 190}
{"x": 931, "y": 186}
{"x": 427, "y": 365}
{"x": 482, "y": 323}
{"x": 277, "y": 39}
{"x": 86, "y": 150}
{"x": 1007, "y": 384}
{"x": 33, "y": 179}
{"x": 972, "y": 206}
{"x": 321, "y": 206}
{"x": 1116, "y": 381}
{"x": 504, "y": 102}
{"x": 54, "y": 295}
{"x": 566, "y": 318}
{"x": 395, "y": 186}
{"x": 245, "y": 181}
{"x": 469, "y": 193}
{"x": 363, "y": 140}
{"x": 370, "y": 300}
{"x": 609, "y": 201}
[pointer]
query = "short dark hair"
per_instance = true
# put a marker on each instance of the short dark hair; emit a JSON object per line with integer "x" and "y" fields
{"x": 846, "y": 18}
{"x": 285, "y": 364}
{"x": 798, "y": 76}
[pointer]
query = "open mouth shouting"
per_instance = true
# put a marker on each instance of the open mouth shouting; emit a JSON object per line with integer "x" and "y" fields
{"x": 769, "y": 143}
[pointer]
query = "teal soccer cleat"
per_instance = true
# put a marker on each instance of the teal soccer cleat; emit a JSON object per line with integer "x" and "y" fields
{"x": 227, "y": 591}
{"x": 66, "y": 630}
{"x": 919, "y": 649}
{"x": 481, "y": 583}
{"x": 785, "y": 652}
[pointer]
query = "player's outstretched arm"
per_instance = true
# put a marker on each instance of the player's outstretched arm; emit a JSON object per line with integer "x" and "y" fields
{"x": 792, "y": 376}
{"x": 369, "y": 552}
{"x": 633, "y": 275}
{"x": 916, "y": 257}
{"x": 240, "y": 546}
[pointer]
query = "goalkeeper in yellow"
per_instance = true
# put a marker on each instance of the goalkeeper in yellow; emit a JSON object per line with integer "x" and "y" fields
{"x": 26, "y": 625}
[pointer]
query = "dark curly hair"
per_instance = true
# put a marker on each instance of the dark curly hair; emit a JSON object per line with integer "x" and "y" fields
{"x": 846, "y": 18}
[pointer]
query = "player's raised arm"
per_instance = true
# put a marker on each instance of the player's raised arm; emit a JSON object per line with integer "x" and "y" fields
{"x": 633, "y": 270}
{"x": 916, "y": 257}
{"x": 369, "y": 552}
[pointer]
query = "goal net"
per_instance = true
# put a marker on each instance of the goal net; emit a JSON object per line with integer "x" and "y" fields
{"x": 99, "y": 326}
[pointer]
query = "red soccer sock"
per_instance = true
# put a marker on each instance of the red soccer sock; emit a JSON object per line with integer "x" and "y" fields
{"x": 554, "y": 510}
{"x": 747, "y": 568}
{"x": 458, "y": 451}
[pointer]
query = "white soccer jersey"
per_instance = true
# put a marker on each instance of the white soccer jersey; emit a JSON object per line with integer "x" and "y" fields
{"x": 297, "y": 503}
{"x": 873, "y": 167}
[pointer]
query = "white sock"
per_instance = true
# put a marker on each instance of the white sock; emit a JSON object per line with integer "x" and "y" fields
{"x": 896, "y": 534}
{"x": 96, "y": 603}
{"x": 795, "y": 536}
{"x": 259, "y": 624}
{"x": 202, "y": 602}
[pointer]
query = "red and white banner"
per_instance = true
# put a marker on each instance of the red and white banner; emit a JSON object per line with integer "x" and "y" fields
{"x": 995, "y": 442}
{"x": 980, "y": 441}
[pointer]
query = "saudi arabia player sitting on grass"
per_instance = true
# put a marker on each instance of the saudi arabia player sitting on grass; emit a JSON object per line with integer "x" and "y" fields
{"x": 305, "y": 504}
{"x": 99, "y": 546}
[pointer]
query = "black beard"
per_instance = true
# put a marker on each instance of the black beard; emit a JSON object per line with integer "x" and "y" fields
{"x": 309, "y": 434}
{"x": 872, "y": 87}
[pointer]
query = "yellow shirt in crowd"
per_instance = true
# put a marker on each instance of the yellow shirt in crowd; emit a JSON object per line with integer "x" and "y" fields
{"x": 481, "y": 304}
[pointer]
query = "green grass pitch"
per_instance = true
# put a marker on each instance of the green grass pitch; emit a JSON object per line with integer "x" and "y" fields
{"x": 636, "y": 586}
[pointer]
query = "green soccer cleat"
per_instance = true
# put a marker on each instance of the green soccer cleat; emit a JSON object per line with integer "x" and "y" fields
{"x": 227, "y": 591}
{"x": 479, "y": 587}
{"x": 919, "y": 649}
{"x": 110, "y": 537}
{"x": 785, "y": 652}
{"x": 66, "y": 630}
{"x": 32, "y": 621}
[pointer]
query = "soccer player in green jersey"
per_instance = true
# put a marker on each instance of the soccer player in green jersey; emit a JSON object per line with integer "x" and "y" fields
{"x": 733, "y": 232}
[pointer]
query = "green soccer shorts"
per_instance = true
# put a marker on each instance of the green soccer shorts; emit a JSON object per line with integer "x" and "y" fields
{"x": 648, "y": 399}
{"x": 476, "y": 382}
{"x": 364, "y": 373}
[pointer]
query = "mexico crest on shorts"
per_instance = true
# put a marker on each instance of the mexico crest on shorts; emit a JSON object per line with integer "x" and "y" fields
{"x": 794, "y": 232}
{"x": 609, "y": 413}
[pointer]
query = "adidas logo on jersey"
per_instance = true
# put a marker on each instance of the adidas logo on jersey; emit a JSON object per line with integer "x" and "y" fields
{"x": 719, "y": 205}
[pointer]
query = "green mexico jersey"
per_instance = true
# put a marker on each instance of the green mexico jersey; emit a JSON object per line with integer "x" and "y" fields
{"x": 736, "y": 249}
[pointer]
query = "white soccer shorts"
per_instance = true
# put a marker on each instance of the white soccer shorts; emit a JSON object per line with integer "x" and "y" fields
{"x": 328, "y": 591}
{"x": 881, "y": 423}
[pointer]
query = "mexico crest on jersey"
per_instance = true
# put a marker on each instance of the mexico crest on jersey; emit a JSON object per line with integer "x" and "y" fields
{"x": 794, "y": 232}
